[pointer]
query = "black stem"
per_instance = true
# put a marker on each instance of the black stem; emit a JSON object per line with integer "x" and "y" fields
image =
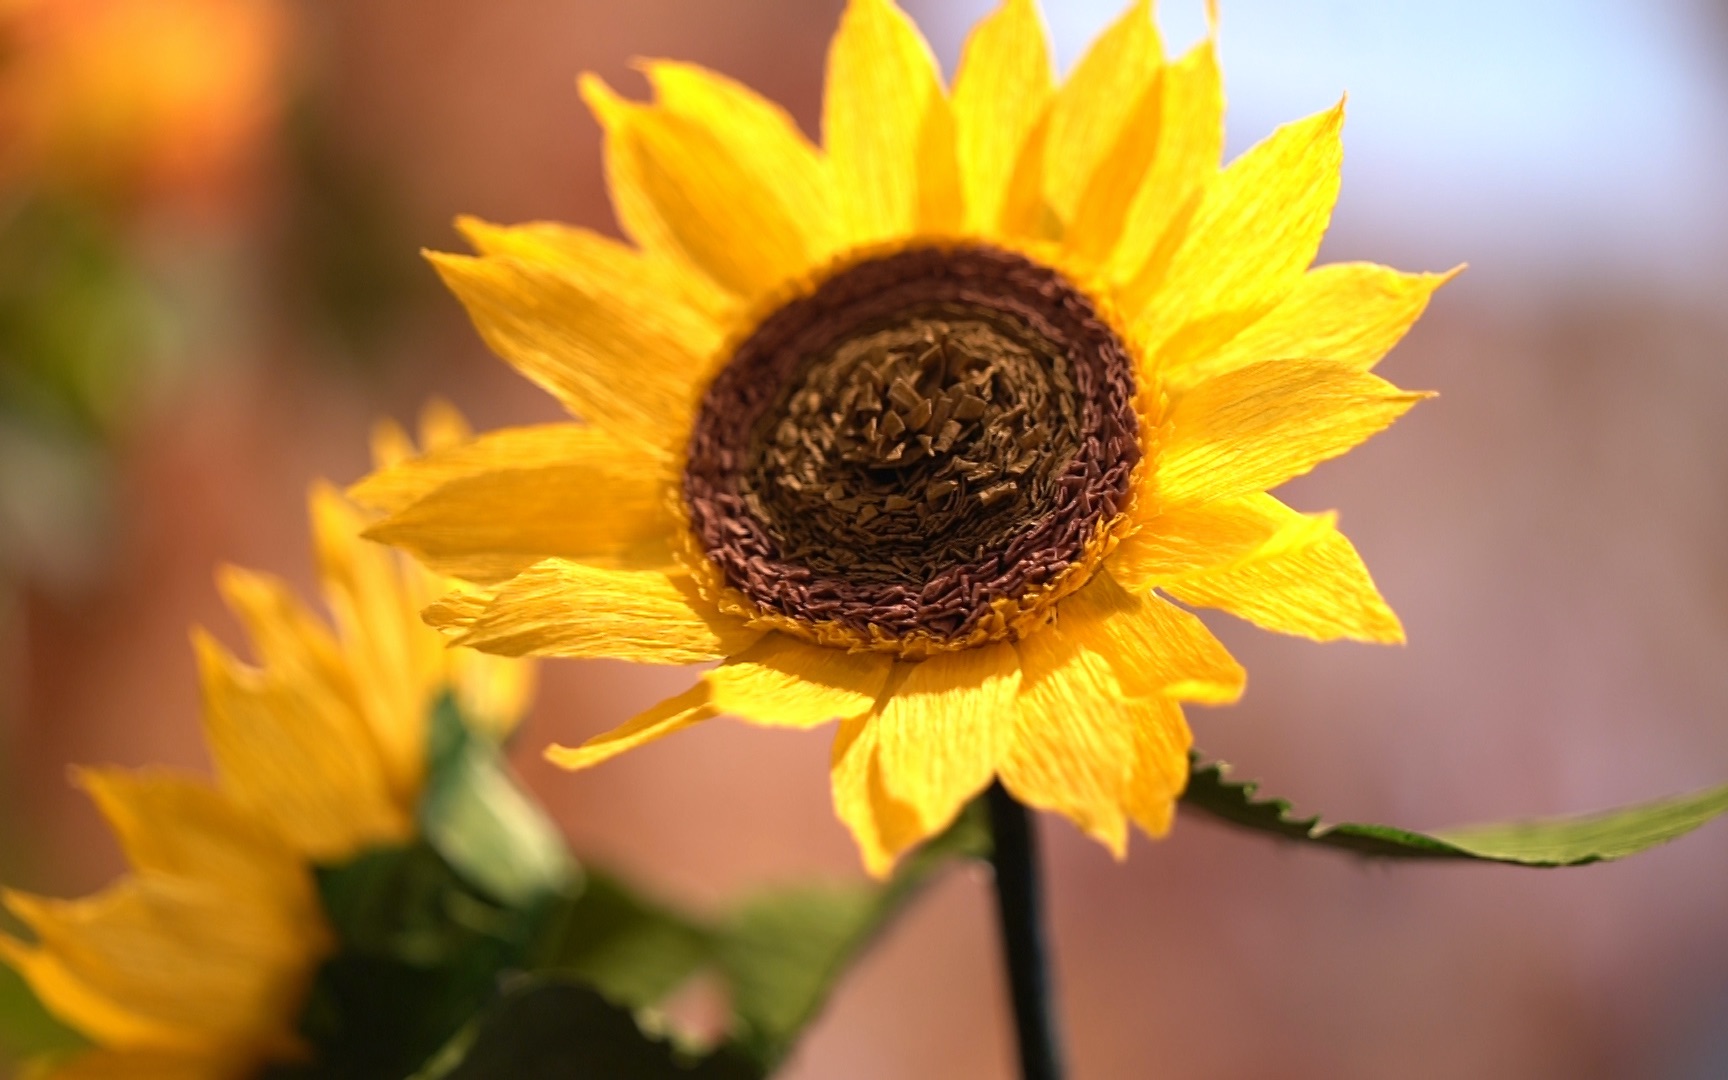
{"x": 1020, "y": 907}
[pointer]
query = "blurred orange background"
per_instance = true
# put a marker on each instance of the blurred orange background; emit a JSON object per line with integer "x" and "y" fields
{"x": 1552, "y": 529}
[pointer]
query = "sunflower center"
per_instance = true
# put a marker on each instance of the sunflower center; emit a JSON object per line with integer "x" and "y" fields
{"x": 915, "y": 447}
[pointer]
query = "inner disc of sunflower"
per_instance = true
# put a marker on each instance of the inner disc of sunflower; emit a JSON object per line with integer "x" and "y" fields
{"x": 922, "y": 437}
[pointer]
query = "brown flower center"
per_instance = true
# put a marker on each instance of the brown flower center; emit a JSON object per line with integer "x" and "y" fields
{"x": 923, "y": 436}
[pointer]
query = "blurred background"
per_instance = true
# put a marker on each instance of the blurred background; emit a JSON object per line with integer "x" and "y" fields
{"x": 209, "y": 287}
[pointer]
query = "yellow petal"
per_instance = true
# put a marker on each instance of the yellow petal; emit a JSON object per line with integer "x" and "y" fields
{"x": 1306, "y": 580}
{"x": 738, "y": 206}
{"x": 882, "y": 826}
{"x": 673, "y": 714}
{"x": 1254, "y": 231}
{"x": 166, "y": 963}
{"x": 1098, "y": 100}
{"x": 297, "y": 754}
{"x": 782, "y": 682}
{"x": 390, "y": 444}
{"x": 1186, "y": 539}
{"x": 180, "y": 827}
{"x": 1256, "y": 427}
{"x": 614, "y": 351}
{"x": 148, "y": 1065}
{"x": 489, "y": 509}
{"x": 1074, "y": 737}
{"x": 561, "y": 608}
{"x": 286, "y": 639}
{"x": 1349, "y": 312}
{"x": 945, "y": 727}
{"x": 1154, "y": 647}
{"x": 888, "y": 128}
{"x": 1002, "y": 87}
{"x": 1189, "y": 130}
{"x": 591, "y": 257}
{"x": 1159, "y": 770}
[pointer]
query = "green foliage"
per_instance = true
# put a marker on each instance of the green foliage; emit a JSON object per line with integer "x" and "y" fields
{"x": 549, "y": 1029}
{"x": 631, "y": 949}
{"x": 1550, "y": 842}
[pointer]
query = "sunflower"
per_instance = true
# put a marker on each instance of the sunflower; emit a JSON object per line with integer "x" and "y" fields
{"x": 923, "y": 431}
{"x": 197, "y": 964}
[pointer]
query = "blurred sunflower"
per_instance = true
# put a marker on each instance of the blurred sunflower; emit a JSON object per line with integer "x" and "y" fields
{"x": 917, "y": 431}
{"x": 198, "y": 963}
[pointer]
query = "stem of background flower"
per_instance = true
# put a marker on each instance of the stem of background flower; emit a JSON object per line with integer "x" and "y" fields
{"x": 1019, "y": 904}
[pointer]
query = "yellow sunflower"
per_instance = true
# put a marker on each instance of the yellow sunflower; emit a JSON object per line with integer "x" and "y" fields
{"x": 196, "y": 965}
{"x": 922, "y": 430}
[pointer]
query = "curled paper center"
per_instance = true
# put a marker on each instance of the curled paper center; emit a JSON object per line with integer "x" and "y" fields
{"x": 924, "y": 435}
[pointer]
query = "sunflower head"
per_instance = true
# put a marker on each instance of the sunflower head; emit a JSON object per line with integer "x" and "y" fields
{"x": 923, "y": 429}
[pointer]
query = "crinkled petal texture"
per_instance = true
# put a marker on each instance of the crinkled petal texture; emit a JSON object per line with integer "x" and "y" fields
{"x": 565, "y": 537}
{"x": 197, "y": 963}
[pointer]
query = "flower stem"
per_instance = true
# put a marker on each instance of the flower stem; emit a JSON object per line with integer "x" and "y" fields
{"x": 1019, "y": 905}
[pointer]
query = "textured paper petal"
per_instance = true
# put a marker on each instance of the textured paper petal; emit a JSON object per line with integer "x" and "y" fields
{"x": 888, "y": 128}
{"x": 1349, "y": 312}
{"x": 944, "y": 728}
{"x": 1096, "y": 102}
{"x": 1254, "y": 231}
{"x": 610, "y": 348}
{"x": 1190, "y": 143}
{"x": 1073, "y": 739}
{"x": 883, "y": 827}
{"x": 1307, "y": 580}
{"x": 673, "y": 714}
{"x": 1154, "y": 647}
{"x": 1188, "y": 539}
{"x": 1255, "y": 428}
{"x": 1002, "y": 87}
{"x": 561, "y": 608}
{"x": 1160, "y": 765}
{"x": 731, "y": 202}
{"x": 782, "y": 682}
{"x": 298, "y": 755}
{"x": 491, "y": 508}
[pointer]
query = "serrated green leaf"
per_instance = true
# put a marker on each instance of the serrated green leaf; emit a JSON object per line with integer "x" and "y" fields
{"x": 27, "y": 1029}
{"x": 1548, "y": 842}
{"x": 633, "y": 950}
{"x": 783, "y": 951}
{"x": 478, "y": 818}
{"x": 545, "y": 1029}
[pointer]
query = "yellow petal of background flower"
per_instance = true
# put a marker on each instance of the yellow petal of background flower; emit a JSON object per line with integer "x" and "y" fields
{"x": 1159, "y": 769}
{"x": 611, "y": 349}
{"x": 489, "y": 509}
{"x": 1154, "y": 647}
{"x": 1187, "y": 539}
{"x": 1073, "y": 739}
{"x": 1189, "y": 130}
{"x": 147, "y": 1065}
{"x": 944, "y": 728}
{"x": 882, "y": 826}
{"x": 673, "y": 714}
{"x": 562, "y": 608}
{"x": 1256, "y": 427}
{"x": 1349, "y": 312}
{"x": 1096, "y": 102}
{"x": 1306, "y": 580}
{"x": 733, "y": 204}
{"x": 888, "y": 128}
{"x": 1001, "y": 88}
{"x": 782, "y": 682}
{"x": 298, "y": 754}
{"x": 1254, "y": 231}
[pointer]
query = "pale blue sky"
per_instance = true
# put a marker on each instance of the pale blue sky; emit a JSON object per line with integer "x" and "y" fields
{"x": 1570, "y": 137}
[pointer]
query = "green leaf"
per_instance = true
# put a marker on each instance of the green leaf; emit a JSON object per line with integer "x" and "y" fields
{"x": 631, "y": 949}
{"x": 545, "y": 1029}
{"x": 27, "y": 1028}
{"x": 1561, "y": 841}
{"x": 784, "y": 951}
{"x": 475, "y": 815}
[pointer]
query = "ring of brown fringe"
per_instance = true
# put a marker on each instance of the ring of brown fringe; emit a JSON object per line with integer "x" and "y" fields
{"x": 1032, "y": 308}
